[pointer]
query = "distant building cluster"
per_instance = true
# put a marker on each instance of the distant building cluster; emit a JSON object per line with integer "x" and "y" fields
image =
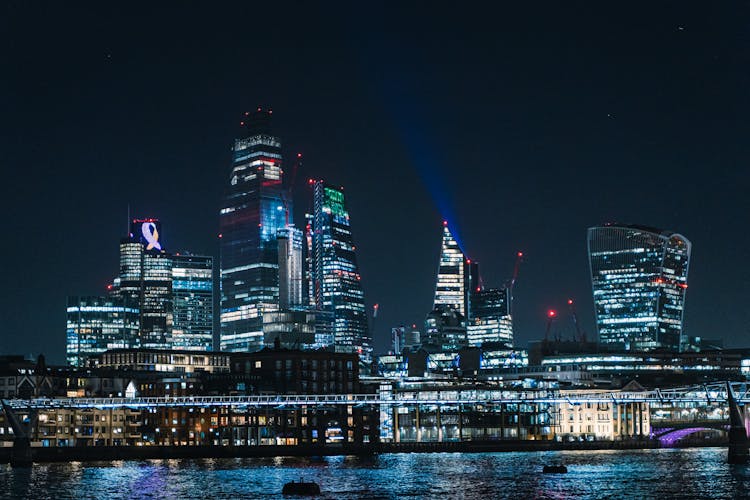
{"x": 298, "y": 287}
{"x": 158, "y": 300}
{"x": 279, "y": 285}
{"x": 292, "y": 321}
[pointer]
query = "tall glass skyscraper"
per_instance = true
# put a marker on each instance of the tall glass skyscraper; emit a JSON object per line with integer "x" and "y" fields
{"x": 146, "y": 280}
{"x": 639, "y": 279}
{"x": 96, "y": 324}
{"x": 193, "y": 296}
{"x": 254, "y": 210}
{"x": 457, "y": 276}
{"x": 490, "y": 319}
{"x": 335, "y": 280}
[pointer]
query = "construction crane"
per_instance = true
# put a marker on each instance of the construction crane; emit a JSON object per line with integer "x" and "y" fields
{"x": 286, "y": 194}
{"x": 551, "y": 315}
{"x": 509, "y": 285}
{"x": 580, "y": 333}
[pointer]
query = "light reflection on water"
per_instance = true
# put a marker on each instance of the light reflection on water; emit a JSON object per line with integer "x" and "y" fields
{"x": 687, "y": 473}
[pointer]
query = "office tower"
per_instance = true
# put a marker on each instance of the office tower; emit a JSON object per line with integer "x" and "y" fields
{"x": 146, "y": 280}
{"x": 291, "y": 284}
{"x": 445, "y": 329}
{"x": 490, "y": 319}
{"x": 193, "y": 302}
{"x": 96, "y": 324}
{"x": 255, "y": 208}
{"x": 457, "y": 275}
{"x": 639, "y": 279}
{"x": 336, "y": 283}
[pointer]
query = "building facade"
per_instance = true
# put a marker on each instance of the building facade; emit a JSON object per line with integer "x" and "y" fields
{"x": 255, "y": 208}
{"x": 639, "y": 280}
{"x": 457, "y": 275}
{"x": 336, "y": 282}
{"x": 490, "y": 319}
{"x": 193, "y": 302}
{"x": 96, "y": 324}
{"x": 146, "y": 279}
{"x": 291, "y": 283}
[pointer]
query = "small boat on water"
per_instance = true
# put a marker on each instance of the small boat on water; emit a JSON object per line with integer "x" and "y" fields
{"x": 301, "y": 488}
{"x": 555, "y": 469}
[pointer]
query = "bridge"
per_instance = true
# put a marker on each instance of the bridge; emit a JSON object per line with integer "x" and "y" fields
{"x": 730, "y": 394}
{"x": 708, "y": 394}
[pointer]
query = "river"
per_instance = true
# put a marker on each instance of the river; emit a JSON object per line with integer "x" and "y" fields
{"x": 663, "y": 473}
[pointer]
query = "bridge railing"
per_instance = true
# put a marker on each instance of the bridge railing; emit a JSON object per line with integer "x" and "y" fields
{"x": 710, "y": 393}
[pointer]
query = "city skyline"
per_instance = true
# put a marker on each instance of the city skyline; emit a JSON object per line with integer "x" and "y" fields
{"x": 519, "y": 141}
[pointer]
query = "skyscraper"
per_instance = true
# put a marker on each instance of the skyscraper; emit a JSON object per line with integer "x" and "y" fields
{"x": 639, "y": 279}
{"x": 290, "y": 268}
{"x": 146, "y": 280}
{"x": 193, "y": 298}
{"x": 255, "y": 208}
{"x": 457, "y": 276}
{"x": 336, "y": 282}
{"x": 490, "y": 319}
{"x": 96, "y": 324}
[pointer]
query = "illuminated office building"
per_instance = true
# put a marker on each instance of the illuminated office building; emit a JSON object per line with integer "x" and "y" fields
{"x": 490, "y": 319}
{"x": 445, "y": 329}
{"x": 639, "y": 279}
{"x": 291, "y": 284}
{"x": 193, "y": 302}
{"x": 336, "y": 282}
{"x": 457, "y": 276}
{"x": 255, "y": 208}
{"x": 146, "y": 280}
{"x": 97, "y": 324}
{"x": 289, "y": 329}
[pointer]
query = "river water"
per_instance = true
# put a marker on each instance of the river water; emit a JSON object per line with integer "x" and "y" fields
{"x": 666, "y": 473}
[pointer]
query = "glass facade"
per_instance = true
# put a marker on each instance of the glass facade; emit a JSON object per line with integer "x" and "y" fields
{"x": 97, "y": 324}
{"x": 444, "y": 329}
{"x": 490, "y": 317}
{"x": 291, "y": 286}
{"x": 335, "y": 280}
{"x": 193, "y": 296}
{"x": 253, "y": 212}
{"x": 639, "y": 280}
{"x": 457, "y": 275}
{"x": 146, "y": 280}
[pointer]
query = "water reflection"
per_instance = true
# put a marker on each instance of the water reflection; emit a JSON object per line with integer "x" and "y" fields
{"x": 689, "y": 473}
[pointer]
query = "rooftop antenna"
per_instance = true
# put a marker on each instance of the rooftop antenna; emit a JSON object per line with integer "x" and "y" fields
{"x": 127, "y": 223}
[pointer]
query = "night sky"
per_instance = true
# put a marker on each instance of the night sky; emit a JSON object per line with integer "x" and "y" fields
{"x": 522, "y": 126}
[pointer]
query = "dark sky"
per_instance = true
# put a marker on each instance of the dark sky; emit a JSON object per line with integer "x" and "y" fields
{"x": 522, "y": 125}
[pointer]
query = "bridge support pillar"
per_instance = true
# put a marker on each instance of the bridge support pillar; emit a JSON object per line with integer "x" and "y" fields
{"x": 738, "y": 442}
{"x": 21, "y": 454}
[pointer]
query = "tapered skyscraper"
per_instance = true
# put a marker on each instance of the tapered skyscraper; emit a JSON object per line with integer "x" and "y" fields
{"x": 639, "y": 278}
{"x": 457, "y": 276}
{"x": 254, "y": 209}
{"x": 335, "y": 281}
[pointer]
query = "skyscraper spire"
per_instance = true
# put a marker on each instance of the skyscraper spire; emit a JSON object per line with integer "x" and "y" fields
{"x": 456, "y": 275}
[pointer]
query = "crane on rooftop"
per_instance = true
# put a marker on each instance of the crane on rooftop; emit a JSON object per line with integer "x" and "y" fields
{"x": 580, "y": 333}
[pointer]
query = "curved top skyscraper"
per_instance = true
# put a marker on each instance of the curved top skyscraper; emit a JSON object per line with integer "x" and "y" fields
{"x": 639, "y": 279}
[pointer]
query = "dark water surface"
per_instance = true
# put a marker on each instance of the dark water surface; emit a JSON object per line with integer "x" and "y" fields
{"x": 686, "y": 473}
